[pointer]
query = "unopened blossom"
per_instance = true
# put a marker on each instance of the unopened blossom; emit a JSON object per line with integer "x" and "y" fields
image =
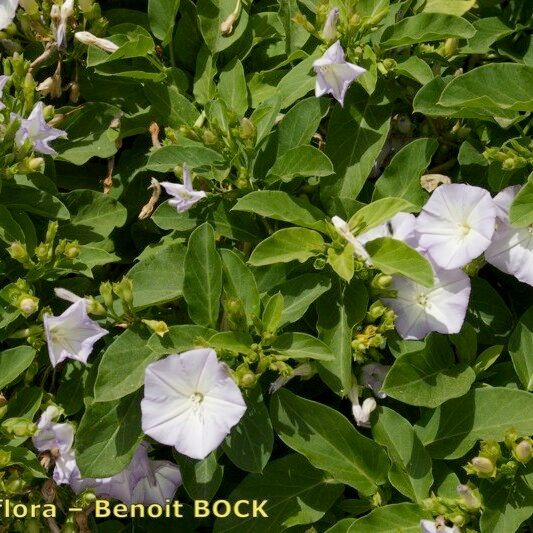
{"x": 511, "y": 250}
{"x": 67, "y": 295}
{"x": 8, "y": 8}
{"x": 334, "y": 74}
{"x": 66, "y": 11}
{"x": 420, "y": 310}
{"x": 343, "y": 229}
{"x": 72, "y": 335}
{"x": 456, "y": 224}
{"x": 329, "y": 31}
{"x": 190, "y": 402}
{"x": 38, "y": 131}
{"x": 372, "y": 376}
{"x": 86, "y": 37}
{"x": 437, "y": 526}
{"x": 144, "y": 481}
{"x": 361, "y": 413}
{"x": 3, "y": 80}
{"x": 183, "y": 195}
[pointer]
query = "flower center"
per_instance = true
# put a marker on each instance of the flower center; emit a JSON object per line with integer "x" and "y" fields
{"x": 464, "y": 229}
{"x": 530, "y": 229}
{"x": 324, "y": 68}
{"x": 197, "y": 398}
{"x": 422, "y": 300}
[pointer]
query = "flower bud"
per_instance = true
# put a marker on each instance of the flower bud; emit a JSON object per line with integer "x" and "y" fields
{"x": 94, "y": 307}
{"x": 450, "y": 47}
{"x": 329, "y": 31}
{"x": 470, "y": 499}
{"x": 320, "y": 263}
{"x": 483, "y": 467}
{"x": 124, "y": 290}
{"x": 381, "y": 281}
{"x": 523, "y": 451}
{"x": 491, "y": 450}
{"x": 88, "y": 38}
{"x": 18, "y": 251}
{"x": 159, "y": 327}
{"x": 51, "y": 86}
{"x": 226, "y": 27}
{"x": 36, "y": 164}
{"x": 72, "y": 250}
{"x": 74, "y": 93}
{"x": 28, "y": 304}
{"x": 19, "y": 427}
{"x": 41, "y": 252}
{"x": 49, "y": 113}
{"x": 85, "y": 5}
{"x": 5, "y": 458}
{"x": 246, "y": 129}
{"x": 106, "y": 290}
{"x": 209, "y": 137}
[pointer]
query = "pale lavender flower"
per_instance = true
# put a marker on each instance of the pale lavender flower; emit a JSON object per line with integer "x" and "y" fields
{"x": 72, "y": 335}
{"x": 190, "y": 402}
{"x": 143, "y": 481}
{"x": 184, "y": 196}
{"x": 456, "y": 224}
{"x": 67, "y": 295}
{"x": 372, "y": 376}
{"x": 421, "y": 310}
{"x": 511, "y": 250}
{"x": 3, "y": 81}
{"x": 343, "y": 229}
{"x": 334, "y": 74}
{"x": 329, "y": 31}
{"x": 38, "y": 131}
{"x": 401, "y": 227}
{"x": 8, "y": 8}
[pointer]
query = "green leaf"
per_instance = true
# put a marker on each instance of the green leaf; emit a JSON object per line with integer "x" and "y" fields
{"x": 296, "y": 493}
{"x": 201, "y": 479}
{"x": 298, "y": 81}
{"x": 302, "y": 161}
{"x": 108, "y": 436}
{"x": 94, "y": 215}
{"x": 13, "y": 362}
{"x": 204, "y": 89}
{"x": 338, "y": 312}
{"x": 521, "y": 349}
{"x": 234, "y": 341}
{"x": 329, "y": 441}
{"x": 83, "y": 143}
{"x": 395, "y": 257}
{"x": 279, "y": 205}
{"x": 162, "y": 16}
{"x": 195, "y": 154}
{"x": 448, "y": 7}
{"x": 428, "y": 377}
{"x": 300, "y": 123}
{"x": 489, "y": 30}
{"x": 356, "y": 135}
{"x": 180, "y": 339}
{"x": 426, "y": 27}
{"x": 212, "y": 13}
{"x": 202, "y": 284}
{"x": 271, "y": 318}
{"x": 299, "y": 293}
{"x": 250, "y": 443}
{"x": 232, "y": 88}
{"x": 342, "y": 261}
{"x": 521, "y": 212}
{"x": 493, "y": 86}
{"x": 302, "y": 346}
{"x": 121, "y": 369}
{"x": 401, "y": 178}
{"x": 239, "y": 282}
{"x": 10, "y": 229}
{"x": 378, "y": 212}
{"x": 404, "y": 517}
{"x": 165, "y": 267}
{"x": 452, "y": 429}
{"x": 170, "y": 106}
{"x": 289, "y": 244}
{"x": 410, "y": 473}
{"x": 415, "y": 68}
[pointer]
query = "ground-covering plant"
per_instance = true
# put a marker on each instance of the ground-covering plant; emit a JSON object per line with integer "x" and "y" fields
{"x": 269, "y": 250}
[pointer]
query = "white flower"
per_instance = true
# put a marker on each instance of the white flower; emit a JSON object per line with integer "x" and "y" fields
{"x": 421, "y": 310}
{"x": 190, "y": 402}
{"x": 184, "y": 196}
{"x": 511, "y": 249}
{"x": 401, "y": 227}
{"x": 429, "y": 526}
{"x": 329, "y": 31}
{"x": 72, "y": 334}
{"x": 66, "y": 11}
{"x": 8, "y": 8}
{"x": 86, "y": 37}
{"x": 362, "y": 413}
{"x": 334, "y": 74}
{"x": 67, "y": 295}
{"x": 456, "y": 224}
{"x": 343, "y": 229}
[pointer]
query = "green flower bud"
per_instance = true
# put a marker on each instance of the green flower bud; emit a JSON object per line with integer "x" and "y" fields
{"x": 381, "y": 281}
{"x": 36, "y": 164}
{"x": 389, "y": 64}
{"x": 450, "y": 47}
{"x": 19, "y": 427}
{"x": 491, "y": 450}
{"x": 124, "y": 290}
{"x": 246, "y": 129}
{"x": 159, "y": 327}
{"x": 106, "y": 291}
{"x": 320, "y": 263}
{"x": 28, "y": 304}
{"x": 18, "y": 251}
{"x": 470, "y": 498}
{"x": 5, "y": 458}
{"x": 94, "y": 307}
{"x": 483, "y": 467}
{"x": 49, "y": 112}
{"x": 209, "y": 137}
{"x": 42, "y": 252}
{"x": 72, "y": 250}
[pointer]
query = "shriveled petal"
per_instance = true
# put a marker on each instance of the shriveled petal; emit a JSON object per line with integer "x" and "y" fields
{"x": 165, "y": 482}
{"x": 456, "y": 224}
{"x": 65, "y": 468}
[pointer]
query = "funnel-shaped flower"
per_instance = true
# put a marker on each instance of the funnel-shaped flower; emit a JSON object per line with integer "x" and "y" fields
{"x": 511, "y": 249}
{"x": 456, "y": 224}
{"x": 8, "y": 8}
{"x": 38, "y": 131}
{"x": 71, "y": 335}
{"x": 183, "y": 195}
{"x": 190, "y": 402}
{"x": 421, "y": 310}
{"x": 334, "y": 74}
